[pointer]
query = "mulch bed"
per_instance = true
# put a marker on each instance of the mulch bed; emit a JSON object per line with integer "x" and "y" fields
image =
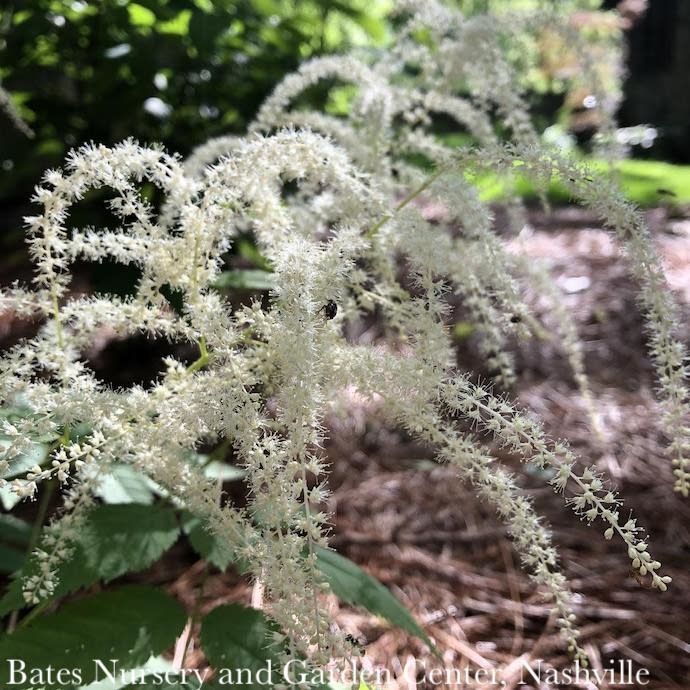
{"x": 446, "y": 555}
{"x": 421, "y": 531}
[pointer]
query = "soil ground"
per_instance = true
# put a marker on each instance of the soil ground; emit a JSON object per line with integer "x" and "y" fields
{"x": 422, "y": 532}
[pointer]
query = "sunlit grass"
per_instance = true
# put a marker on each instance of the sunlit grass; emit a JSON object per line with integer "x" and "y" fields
{"x": 647, "y": 183}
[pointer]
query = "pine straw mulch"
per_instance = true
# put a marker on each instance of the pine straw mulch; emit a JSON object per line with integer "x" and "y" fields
{"x": 421, "y": 531}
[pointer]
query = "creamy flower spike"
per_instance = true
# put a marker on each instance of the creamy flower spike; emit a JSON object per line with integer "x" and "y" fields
{"x": 332, "y": 211}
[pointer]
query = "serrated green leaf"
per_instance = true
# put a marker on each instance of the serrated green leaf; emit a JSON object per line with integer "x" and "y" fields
{"x": 122, "y": 538}
{"x": 206, "y": 544}
{"x": 115, "y": 540}
{"x": 129, "y": 624}
{"x": 235, "y": 637}
{"x": 351, "y": 584}
{"x": 125, "y": 485}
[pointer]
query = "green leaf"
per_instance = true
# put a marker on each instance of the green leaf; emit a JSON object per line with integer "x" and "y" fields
{"x": 115, "y": 540}
{"x": 205, "y": 5}
{"x": 14, "y": 530}
{"x": 248, "y": 250}
{"x": 140, "y": 15}
{"x": 35, "y": 454}
{"x": 224, "y": 471}
{"x": 8, "y": 498}
{"x": 205, "y": 543}
{"x": 236, "y": 638}
{"x": 125, "y": 485}
{"x": 18, "y": 408}
{"x": 121, "y": 538}
{"x": 129, "y": 624}
{"x": 12, "y": 600}
{"x": 351, "y": 584}
{"x": 178, "y": 25}
{"x": 11, "y": 559}
{"x": 267, "y": 7}
{"x": 14, "y": 538}
{"x": 245, "y": 279}
{"x": 74, "y": 574}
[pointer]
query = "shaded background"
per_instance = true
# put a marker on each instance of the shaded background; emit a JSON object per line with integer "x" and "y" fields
{"x": 170, "y": 71}
{"x": 180, "y": 71}
{"x": 657, "y": 89}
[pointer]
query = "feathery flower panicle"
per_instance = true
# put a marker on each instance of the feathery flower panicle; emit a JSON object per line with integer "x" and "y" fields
{"x": 601, "y": 193}
{"x": 331, "y": 203}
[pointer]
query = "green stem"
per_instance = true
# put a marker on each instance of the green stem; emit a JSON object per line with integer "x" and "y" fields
{"x": 409, "y": 198}
{"x": 35, "y": 612}
{"x": 56, "y": 317}
{"x": 37, "y": 527}
{"x": 204, "y": 357}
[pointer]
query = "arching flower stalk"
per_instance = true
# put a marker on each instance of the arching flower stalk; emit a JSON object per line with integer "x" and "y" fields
{"x": 337, "y": 219}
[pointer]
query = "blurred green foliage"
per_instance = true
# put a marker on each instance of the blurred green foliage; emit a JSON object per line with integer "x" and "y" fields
{"x": 654, "y": 183}
{"x": 181, "y": 71}
{"x": 170, "y": 71}
{"x": 644, "y": 182}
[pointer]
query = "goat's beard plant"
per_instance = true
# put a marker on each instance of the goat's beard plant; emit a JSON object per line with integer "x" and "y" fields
{"x": 334, "y": 245}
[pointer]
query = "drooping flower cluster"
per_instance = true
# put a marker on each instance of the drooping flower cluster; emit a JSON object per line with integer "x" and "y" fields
{"x": 331, "y": 203}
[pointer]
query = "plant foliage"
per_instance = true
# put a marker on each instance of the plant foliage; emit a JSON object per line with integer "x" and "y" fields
{"x": 331, "y": 199}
